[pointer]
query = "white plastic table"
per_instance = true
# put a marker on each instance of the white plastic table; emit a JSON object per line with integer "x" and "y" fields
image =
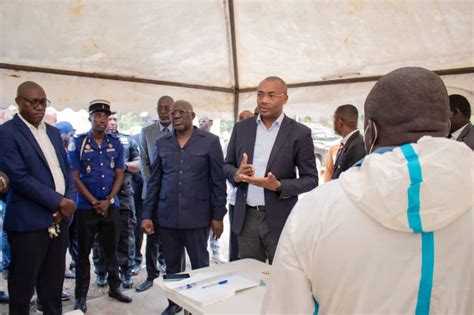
{"x": 248, "y": 301}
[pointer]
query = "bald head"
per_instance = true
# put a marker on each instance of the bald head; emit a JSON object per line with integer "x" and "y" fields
{"x": 245, "y": 114}
{"x": 165, "y": 98}
{"x": 27, "y": 86}
{"x": 182, "y": 104}
{"x": 279, "y": 80}
{"x": 182, "y": 116}
{"x": 205, "y": 123}
{"x": 407, "y": 104}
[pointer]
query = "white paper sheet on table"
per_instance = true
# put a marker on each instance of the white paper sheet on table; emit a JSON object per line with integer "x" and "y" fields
{"x": 192, "y": 288}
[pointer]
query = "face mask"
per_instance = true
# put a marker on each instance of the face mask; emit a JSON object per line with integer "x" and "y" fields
{"x": 375, "y": 138}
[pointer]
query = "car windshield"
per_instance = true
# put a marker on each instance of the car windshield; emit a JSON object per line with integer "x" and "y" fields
{"x": 321, "y": 133}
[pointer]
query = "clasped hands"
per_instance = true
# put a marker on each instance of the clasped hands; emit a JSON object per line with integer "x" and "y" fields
{"x": 245, "y": 173}
{"x": 101, "y": 207}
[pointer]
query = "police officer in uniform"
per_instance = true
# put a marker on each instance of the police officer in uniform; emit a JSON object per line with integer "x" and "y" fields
{"x": 97, "y": 162}
{"x": 128, "y": 221}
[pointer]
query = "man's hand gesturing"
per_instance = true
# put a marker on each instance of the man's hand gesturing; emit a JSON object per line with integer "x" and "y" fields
{"x": 244, "y": 169}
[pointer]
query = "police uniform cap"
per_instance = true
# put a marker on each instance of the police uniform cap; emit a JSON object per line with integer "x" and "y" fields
{"x": 99, "y": 106}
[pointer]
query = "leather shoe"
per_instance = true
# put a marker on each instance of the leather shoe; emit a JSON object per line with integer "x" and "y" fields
{"x": 172, "y": 309}
{"x": 162, "y": 267}
{"x": 101, "y": 280}
{"x": 144, "y": 286}
{"x": 4, "y": 297}
{"x": 68, "y": 274}
{"x": 81, "y": 304}
{"x": 135, "y": 270}
{"x": 65, "y": 296}
{"x": 127, "y": 281}
{"x": 119, "y": 296}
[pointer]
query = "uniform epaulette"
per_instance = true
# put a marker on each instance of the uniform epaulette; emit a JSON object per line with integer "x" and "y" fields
{"x": 115, "y": 136}
{"x": 77, "y": 136}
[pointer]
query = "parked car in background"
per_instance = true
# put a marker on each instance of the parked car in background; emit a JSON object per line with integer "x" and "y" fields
{"x": 323, "y": 139}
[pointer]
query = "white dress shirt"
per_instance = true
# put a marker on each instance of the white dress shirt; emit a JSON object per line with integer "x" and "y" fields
{"x": 49, "y": 153}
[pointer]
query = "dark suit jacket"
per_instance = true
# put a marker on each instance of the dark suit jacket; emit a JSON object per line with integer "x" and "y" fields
{"x": 147, "y": 142}
{"x": 187, "y": 187}
{"x": 467, "y": 136}
{"x": 293, "y": 148}
{"x": 32, "y": 199}
{"x": 352, "y": 151}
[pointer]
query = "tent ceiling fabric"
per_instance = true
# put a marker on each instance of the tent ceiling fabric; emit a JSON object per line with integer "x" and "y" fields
{"x": 75, "y": 93}
{"x": 189, "y": 42}
{"x": 180, "y": 41}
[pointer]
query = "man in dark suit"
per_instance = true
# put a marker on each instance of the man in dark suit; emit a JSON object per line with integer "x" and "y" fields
{"x": 148, "y": 137}
{"x": 40, "y": 199}
{"x": 461, "y": 127}
{"x": 268, "y": 189}
{"x": 186, "y": 193}
{"x": 352, "y": 147}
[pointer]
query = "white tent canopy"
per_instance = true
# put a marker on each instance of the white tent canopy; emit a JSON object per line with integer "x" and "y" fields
{"x": 214, "y": 52}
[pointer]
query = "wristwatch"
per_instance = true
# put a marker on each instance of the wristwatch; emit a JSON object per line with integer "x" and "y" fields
{"x": 112, "y": 200}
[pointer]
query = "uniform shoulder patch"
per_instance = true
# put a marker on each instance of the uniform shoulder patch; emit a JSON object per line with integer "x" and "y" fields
{"x": 72, "y": 146}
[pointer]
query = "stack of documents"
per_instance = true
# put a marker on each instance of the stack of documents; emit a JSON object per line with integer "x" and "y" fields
{"x": 211, "y": 287}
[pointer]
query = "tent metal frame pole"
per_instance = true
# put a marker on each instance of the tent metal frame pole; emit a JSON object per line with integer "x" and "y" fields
{"x": 236, "y": 91}
{"x": 116, "y": 77}
{"x": 234, "y": 59}
{"x": 362, "y": 79}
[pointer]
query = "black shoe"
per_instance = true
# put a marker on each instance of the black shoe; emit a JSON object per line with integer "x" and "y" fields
{"x": 144, "y": 286}
{"x": 162, "y": 267}
{"x": 101, "y": 280}
{"x": 65, "y": 296}
{"x": 4, "y": 298}
{"x": 127, "y": 281}
{"x": 119, "y": 296}
{"x": 81, "y": 304}
{"x": 39, "y": 308}
{"x": 172, "y": 309}
{"x": 68, "y": 274}
{"x": 135, "y": 270}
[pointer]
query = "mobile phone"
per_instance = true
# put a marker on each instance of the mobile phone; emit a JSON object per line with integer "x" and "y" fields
{"x": 176, "y": 277}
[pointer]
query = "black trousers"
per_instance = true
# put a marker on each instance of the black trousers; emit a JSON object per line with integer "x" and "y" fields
{"x": 137, "y": 184}
{"x": 233, "y": 239}
{"x": 125, "y": 248}
{"x": 138, "y": 230}
{"x": 174, "y": 241}
{"x": 89, "y": 224}
{"x": 152, "y": 252}
{"x": 72, "y": 244}
{"x": 36, "y": 261}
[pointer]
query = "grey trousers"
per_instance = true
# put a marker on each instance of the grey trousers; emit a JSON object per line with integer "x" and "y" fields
{"x": 255, "y": 240}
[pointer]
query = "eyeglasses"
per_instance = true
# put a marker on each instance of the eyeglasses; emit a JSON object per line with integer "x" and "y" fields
{"x": 270, "y": 95}
{"x": 181, "y": 112}
{"x": 37, "y": 101}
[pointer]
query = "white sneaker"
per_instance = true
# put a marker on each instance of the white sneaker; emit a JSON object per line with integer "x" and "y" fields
{"x": 218, "y": 259}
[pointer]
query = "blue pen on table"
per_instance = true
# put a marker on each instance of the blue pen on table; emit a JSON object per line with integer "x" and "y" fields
{"x": 215, "y": 283}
